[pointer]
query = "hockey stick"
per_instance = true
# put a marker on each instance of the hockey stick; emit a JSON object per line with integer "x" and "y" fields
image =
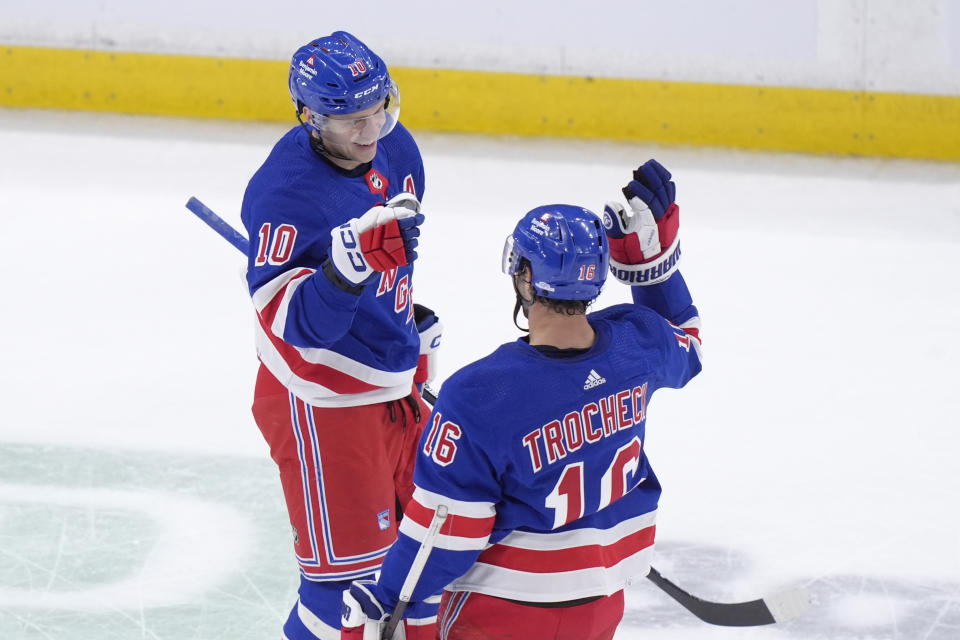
{"x": 217, "y": 223}
{"x": 413, "y": 576}
{"x": 778, "y": 607}
{"x": 428, "y": 395}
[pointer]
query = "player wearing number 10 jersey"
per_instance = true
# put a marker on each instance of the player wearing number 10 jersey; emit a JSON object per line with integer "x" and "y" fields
{"x": 333, "y": 217}
{"x": 538, "y": 450}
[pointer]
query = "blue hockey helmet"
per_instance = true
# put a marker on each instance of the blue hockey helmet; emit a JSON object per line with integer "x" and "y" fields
{"x": 339, "y": 75}
{"x": 567, "y": 249}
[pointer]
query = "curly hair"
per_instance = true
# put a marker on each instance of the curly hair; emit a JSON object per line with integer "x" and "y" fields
{"x": 568, "y": 307}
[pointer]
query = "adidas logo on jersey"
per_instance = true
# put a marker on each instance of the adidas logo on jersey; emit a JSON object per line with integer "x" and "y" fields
{"x": 593, "y": 380}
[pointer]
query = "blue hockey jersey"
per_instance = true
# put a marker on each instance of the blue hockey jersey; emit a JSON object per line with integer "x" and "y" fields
{"x": 328, "y": 346}
{"x": 542, "y": 465}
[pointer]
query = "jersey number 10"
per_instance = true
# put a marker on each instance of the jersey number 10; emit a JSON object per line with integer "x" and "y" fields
{"x": 275, "y": 248}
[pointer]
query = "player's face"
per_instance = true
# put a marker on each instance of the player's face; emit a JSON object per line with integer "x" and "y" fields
{"x": 354, "y": 136}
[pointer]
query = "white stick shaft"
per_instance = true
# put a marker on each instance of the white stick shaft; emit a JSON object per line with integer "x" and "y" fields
{"x": 420, "y": 560}
{"x": 416, "y": 568}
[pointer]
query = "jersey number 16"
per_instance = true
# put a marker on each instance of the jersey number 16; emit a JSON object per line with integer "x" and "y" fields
{"x": 567, "y": 498}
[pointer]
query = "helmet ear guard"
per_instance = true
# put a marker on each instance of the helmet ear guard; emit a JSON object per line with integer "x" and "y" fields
{"x": 510, "y": 262}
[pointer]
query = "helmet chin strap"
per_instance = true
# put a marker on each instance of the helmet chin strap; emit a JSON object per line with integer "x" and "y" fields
{"x": 522, "y": 304}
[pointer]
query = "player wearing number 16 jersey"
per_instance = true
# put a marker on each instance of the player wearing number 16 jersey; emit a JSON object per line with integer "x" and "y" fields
{"x": 538, "y": 450}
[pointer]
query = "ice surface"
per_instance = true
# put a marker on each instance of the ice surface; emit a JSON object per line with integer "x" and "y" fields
{"x": 817, "y": 449}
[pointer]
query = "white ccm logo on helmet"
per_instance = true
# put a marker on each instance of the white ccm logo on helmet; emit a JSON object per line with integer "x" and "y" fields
{"x": 367, "y": 91}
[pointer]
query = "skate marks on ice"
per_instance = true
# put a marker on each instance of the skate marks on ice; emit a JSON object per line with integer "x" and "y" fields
{"x": 844, "y": 607}
{"x": 171, "y": 558}
{"x": 106, "y": 545}
{"x": 119, "y": 545}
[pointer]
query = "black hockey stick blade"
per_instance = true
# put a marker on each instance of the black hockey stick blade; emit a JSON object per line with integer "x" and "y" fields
{"x": 779, "y": 607}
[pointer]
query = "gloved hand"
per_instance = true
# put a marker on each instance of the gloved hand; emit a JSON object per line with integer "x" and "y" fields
{"x": 364, "y": 618}
{"x": 431, "y": 331}
{"x": 644, "y": 242}
{"x": 382, "y": 238}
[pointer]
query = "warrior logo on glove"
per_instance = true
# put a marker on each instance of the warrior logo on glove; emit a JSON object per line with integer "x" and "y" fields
{"x": 644, "y": 241}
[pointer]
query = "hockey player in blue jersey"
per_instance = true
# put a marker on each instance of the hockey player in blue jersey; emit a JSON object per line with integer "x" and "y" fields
{"x": 333, "y": 217}
{"x": 537, "y": 450}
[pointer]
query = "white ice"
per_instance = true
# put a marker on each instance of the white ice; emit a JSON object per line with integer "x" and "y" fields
{"x": 818, "y": 448}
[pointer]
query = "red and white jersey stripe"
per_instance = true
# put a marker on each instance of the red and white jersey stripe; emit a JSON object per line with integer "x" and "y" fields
{"x": 692, "y": 330}
{"x": 320, "y": 377}
{"x": 555, "y": 567}
{"x": 467, "y": 527}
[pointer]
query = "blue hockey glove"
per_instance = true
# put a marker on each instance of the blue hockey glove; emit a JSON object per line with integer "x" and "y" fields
{"x": 644, "y": 241}
{"x": 363, "y": 616}
{"x": 652, "y": 184}
{"x": 431, "y": 332}
{"x": 383, "y": 238}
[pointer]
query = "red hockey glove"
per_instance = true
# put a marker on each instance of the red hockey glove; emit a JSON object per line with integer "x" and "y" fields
{"x": 644, "y": 242}
{"x": 381, "y": 239}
